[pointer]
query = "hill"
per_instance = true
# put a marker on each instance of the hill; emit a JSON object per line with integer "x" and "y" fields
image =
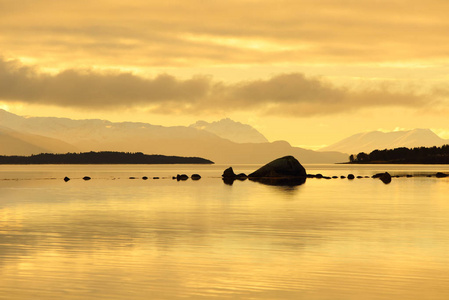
{"x": 421, "y": 155}
{"x": 369, "y": 141}
{"x": 101, "y": 158}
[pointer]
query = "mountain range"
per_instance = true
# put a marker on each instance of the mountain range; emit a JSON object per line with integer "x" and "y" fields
{"x": 223, "y": 142}
{"x": 369, "y": 141}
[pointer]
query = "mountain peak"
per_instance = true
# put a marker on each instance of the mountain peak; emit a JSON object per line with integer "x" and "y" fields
{"x": 369, "y": 141}
{"x": 231, "y": 130}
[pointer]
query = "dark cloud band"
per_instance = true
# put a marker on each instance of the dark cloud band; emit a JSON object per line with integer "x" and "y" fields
{"x": 285, "y": 94}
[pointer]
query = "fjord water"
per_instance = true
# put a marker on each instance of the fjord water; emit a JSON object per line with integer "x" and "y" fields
{"x": 117, "y": 238}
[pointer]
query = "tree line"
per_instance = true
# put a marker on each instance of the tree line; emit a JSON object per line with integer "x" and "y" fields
{"x": 105, "y": 157}
{"x": 419, "y": 155}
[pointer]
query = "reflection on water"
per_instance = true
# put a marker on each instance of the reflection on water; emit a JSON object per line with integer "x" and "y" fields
{"x": 280, "y": 181}
{"x": 115, "y": 238}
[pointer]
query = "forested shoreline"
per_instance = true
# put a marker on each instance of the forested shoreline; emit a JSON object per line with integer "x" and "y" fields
{"x": 419, "y": 155}
{"x": 104, "y": 157}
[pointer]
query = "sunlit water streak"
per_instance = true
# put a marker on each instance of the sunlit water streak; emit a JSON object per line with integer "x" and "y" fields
{"x": 116, "y": 238}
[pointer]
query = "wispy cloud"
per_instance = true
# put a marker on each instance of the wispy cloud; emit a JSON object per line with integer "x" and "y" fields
{"x": 291, "y": 94}
{"x": 180, "y": 33}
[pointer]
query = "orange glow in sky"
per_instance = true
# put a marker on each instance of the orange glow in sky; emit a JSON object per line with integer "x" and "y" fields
{"x": 309, "y": 72}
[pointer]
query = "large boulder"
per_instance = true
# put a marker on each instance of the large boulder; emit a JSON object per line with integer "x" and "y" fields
{"x": 286, "y": 166}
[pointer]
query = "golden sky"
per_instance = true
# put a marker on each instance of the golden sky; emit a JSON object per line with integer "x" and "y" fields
{"x": 309, "y": 72}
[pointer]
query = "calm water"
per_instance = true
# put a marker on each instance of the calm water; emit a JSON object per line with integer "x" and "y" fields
{"x": 116, "y": 238}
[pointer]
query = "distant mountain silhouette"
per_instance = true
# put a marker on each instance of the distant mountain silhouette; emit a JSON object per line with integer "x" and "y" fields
{"x": 231, "y": 130}
{"x": 17, "y": 143}
{"x": 102, "y": 135}
{"x": 369, "y": 141}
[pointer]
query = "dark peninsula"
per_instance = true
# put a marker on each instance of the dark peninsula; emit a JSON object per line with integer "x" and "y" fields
{"x": 105, "y": 157}
{"x": 421, "y": 155}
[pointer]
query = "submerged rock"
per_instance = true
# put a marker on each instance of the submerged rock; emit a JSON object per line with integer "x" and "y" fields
{"x": 286, "y": 166}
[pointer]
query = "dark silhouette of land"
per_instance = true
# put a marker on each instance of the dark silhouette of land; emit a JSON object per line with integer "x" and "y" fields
{"x": 421, "y": 155}
{"x": 105, "y": 157}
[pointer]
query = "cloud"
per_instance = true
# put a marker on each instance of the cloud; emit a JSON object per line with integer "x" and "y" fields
{"x": 291, "y": 94}
{"x": 180, "y": 33}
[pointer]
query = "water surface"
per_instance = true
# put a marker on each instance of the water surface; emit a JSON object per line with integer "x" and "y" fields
{"x": 117, "y": 238}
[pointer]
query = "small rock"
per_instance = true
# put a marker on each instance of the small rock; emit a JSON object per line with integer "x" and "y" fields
{"x": 195, "y": 177}
{"x": 144, "y": 178}
{"x": 182, "y": 177}
{"x": 156, "y": 177}
{"x": 228, "y": 173}
{"x": 66, "y": 179}
{"x": 351, "y": 176}
{"x": 334, "y": 177}
{"x": 342, "y": 177}
{"x": 87, "y": 178}
{"x": 385, "y": 177}
{"x": 441, "y": 175}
